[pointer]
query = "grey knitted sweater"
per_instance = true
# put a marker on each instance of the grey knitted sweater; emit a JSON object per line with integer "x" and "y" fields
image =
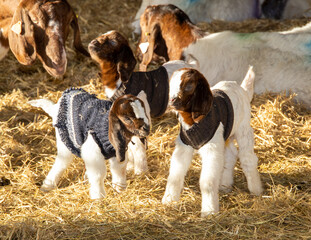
{"x": 154, "y": 83}
{"x": 81, "y": 113}
{"x": 202, "y": 132}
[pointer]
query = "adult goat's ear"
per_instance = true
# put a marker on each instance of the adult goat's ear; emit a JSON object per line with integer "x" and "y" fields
{"x": 126, "y": 63}
{"x": 148, "y": 54}
{"x": 76, "y": 36}
{"x": 21, "y": 37}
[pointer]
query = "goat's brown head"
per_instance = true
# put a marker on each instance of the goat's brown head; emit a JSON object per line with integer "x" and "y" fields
{"x": 113, "y": 53}
{"x": 190, "y": 95}
{"x": 165, "y": 30}
{"x": 127, "y": 118}
{"x": 40, "y": 28}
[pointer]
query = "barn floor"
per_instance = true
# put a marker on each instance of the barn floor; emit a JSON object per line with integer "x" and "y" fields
{"x": 27, "y": 150}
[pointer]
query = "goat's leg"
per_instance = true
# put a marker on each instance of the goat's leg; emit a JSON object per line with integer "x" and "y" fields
{"x": 130, "y": 155}
{"x": 62, "y": 161}
{"x": 231, "y": 153}
{"x": 118, "y": 172}
{"x": 212, "y": 155}
{"x": 180, "y": 163}
{"x": 95, "y": 167}
{"x": 140, "y": 157}
{"x": 248, "y": 159}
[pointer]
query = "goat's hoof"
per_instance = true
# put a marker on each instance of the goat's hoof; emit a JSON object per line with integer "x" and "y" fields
{"x": 257, "y": 190}
{"x": 140, "y": 172}
{"x": 48, "y": 185}
{"x": 129, "y": 168}
{"x": 47, "y": 188}
{"x": 119, "y": 187}
{"x": 97, "y": 195}
{"x": 208, "y": 213}
{"x": 225, "y": 189}
{"x": 169, "y": 199}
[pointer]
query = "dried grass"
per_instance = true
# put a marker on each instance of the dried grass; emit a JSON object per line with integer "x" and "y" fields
{"x": 27, "y": 150}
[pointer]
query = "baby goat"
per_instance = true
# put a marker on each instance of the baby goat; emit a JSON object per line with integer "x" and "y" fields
{"x": 39, "y": 28}
{"x": 281, "y": 59}
{"x": 211, "y": 119}
{"x": 95, "y": 130}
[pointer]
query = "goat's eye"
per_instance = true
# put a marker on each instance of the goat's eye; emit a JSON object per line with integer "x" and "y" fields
{"x": 127, "y": 119}
{"x": 35, "y": 20}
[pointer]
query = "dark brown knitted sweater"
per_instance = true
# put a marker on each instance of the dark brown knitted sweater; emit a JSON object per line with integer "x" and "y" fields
{"x": 154, "y": 83}
{"x": 202, "y": 132}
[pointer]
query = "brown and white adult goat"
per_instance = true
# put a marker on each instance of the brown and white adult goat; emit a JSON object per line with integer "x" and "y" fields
{"x": 207, "y": 10}
{"x": 39, "y": 28}
{"x": 95, "y": 130}
{"x": 165, "y": 31}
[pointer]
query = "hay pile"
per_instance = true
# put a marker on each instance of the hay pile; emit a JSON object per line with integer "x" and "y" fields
{"x": 27, "y": 151}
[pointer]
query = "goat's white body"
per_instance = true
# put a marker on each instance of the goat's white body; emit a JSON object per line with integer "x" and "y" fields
{"x": 95, "y": 162}
{"x": 297, "y": 9}
{"x": 281, "y": 60}
{"x": 204, "y": 11}
{"x": 3, "y": 49}
{"x": 218, "y": 158}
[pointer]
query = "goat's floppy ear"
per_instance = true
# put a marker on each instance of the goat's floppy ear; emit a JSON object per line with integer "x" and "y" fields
{"x": 126, "y": 63}
{"x": 21, "y": 37}
{"x": 147, "y": 56}
{"x": 190, "y": 59}
{"x": 202, "y": 99}
{"x": 116, "y": 137}
{"x": 76, "y": 38}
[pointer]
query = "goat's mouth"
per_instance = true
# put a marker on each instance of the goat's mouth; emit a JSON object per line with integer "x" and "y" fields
{"x": 143, "y": 132}
{"x": 98, "y": 54}
{"x": 93, "y": 49}
{"x": 175, "y": 103}
{"x": 56, "y": 70}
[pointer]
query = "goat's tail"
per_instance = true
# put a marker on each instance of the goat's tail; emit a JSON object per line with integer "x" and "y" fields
{"x": 248, "y": 83}
{"x": 47, "y": 105}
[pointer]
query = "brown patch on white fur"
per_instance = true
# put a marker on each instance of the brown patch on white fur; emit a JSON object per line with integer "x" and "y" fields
{"x": 115, "y": 57}
{"x": 168, "y": 30}
{"x": 124, "y": 124}
{"x": 194, "y": 99}
{"x": 43, "y": 33}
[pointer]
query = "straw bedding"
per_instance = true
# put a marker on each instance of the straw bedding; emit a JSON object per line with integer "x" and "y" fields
{"x": 27, "y": 150}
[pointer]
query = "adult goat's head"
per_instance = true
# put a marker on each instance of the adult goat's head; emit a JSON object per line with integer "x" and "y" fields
{"x": 40, "y": 28}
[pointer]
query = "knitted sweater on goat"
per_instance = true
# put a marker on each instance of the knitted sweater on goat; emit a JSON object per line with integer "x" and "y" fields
{"x": 81, "y": 113}
{"x": 154, "y": 83}
{"x": 202, "y": 132}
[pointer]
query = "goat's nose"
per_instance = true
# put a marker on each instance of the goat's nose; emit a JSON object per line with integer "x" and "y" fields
{"x": 146, "y": 128}
{"x": 173, "y": 100}
{"x": 93, "y": 42}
